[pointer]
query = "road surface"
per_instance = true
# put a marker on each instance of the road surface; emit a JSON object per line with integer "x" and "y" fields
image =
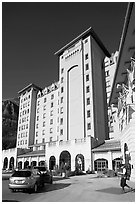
{"x": 85, "y": 188}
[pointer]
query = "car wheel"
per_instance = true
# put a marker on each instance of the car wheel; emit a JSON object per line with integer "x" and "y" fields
{"x": 35, "y": 187}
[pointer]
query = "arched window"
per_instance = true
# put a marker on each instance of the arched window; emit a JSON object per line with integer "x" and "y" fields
{"x": 100, "y": 164}
{"x": 52, "y": 163}
{"x": 79, "y": 162}
{"x": 5, "y": 164}
{"x": 11, "y": 166}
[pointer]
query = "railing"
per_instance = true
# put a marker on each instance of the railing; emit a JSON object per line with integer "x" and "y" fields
{"x": 52, "y": 144}
{"x": 80, "y": 140}
{"x": 64, "y": 142}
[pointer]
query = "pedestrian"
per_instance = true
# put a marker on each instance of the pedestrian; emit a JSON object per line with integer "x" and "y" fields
{"x": 123, "y": 183}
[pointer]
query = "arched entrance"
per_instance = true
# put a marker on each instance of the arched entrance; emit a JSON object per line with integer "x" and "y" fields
{"x": 33, "y": 163}
{"x": 42, "y": 163}
{"x": 26, "y": 164}
{"x": 52, "y": 163}
{"x": 5, "y": 164}
{"x": 79, "y": 162}
{"x": 100, "y": 164}
{"x": 20, "y": 165}
{"x": 65, "y": 159}
{"x": 11, "y": 165}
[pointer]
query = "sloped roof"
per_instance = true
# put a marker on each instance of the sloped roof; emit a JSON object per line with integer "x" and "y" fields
{"x": 81, "y": 36}
{"x": 33, "y": 153}
{"x": 108, "y": 145}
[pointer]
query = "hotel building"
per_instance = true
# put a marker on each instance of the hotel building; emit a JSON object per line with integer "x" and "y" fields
{"x": 63, "y": 122}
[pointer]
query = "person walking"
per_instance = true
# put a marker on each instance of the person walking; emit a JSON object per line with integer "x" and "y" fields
{"x": 123, "y": 183}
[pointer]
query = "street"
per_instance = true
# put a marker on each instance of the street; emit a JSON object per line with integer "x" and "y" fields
{"x": 86, "y": 188}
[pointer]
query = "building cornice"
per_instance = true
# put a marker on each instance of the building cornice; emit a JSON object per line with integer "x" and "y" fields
{"x": 89, "y": 31}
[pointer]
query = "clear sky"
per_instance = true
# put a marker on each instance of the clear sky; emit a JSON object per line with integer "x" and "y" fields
{"x": 33, "y": 32}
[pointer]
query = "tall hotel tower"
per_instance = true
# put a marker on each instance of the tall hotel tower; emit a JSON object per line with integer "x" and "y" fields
{"x": 70, "y": 116}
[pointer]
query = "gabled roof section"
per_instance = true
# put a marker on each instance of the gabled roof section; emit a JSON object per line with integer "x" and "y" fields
{"x": 28, "y": 87}
{"x": 109, "y": 145}
{"x": 89, "y": 31}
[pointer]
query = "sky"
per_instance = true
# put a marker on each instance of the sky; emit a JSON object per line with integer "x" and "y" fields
{"x": 33, "y": 31}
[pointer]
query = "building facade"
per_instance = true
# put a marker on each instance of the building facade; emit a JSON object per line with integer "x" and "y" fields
{"x": 122, "y": 97}
{"x": 60, "y": 124}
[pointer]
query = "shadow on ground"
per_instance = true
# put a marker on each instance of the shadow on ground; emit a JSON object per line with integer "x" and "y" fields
{"x": 53, "y": 187}
{"x": 10, "y": 201}
{"x": 113, "y": 190}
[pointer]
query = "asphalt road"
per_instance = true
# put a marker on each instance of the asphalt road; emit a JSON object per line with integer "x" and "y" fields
{"x": 84, "y": 188}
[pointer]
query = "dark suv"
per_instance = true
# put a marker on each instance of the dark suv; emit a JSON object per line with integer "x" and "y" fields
{"x": 45, "y": 174}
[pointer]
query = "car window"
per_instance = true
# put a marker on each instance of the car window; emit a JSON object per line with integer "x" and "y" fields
{"x": 21, "y": 174}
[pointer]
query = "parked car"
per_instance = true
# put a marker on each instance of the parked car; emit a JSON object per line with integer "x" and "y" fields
{"x": 26, "y": 180}
{"x": 45, "y": 174}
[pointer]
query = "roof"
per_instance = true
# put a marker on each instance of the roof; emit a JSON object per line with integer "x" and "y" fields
{"x": 126, "y": 51}
{"x": 33, "y": 153}
{"x": 108, "y": 145}
{"x": 29, "y": 86}
{"x": 83, "y": 35}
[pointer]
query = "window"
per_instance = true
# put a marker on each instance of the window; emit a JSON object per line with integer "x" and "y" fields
{"x": 44, "y": 107}
{"x": 89, "y": 126}
{"x": 88, "y": 101}
{"x": 107, "y": 83}
{"x": 50, "y": 139}
{"x": 87, "y": 77}
{"x": 52, "y": 96}
{"x": 28, "y": 110}
{"x": 36, "y": 134}
{"x": 87, "y": 66}
{"x": 87, "y": 89}
{"x": 62, "y": 70}
{"x": 38, "y": 103}
{"x": 61, "y": 132}
{"x": 51, "y": 113}
{"x": 51, "y": 121}
{"x": 62, "y": 79}
{"x": 100, "y": 164}
{"x": 43, "y": 140}
{"x": 62, "y": 89}
{"x": 26, "y": 126}
{"x": 61, "y": 121}
{"x": 86, "y": 56}
{"x": 43, "y": 132}
{"x": 51, "y": 104}
{"x": 37, "y": 118}
{"x": 36, "y": 141}
{"x": 61, "y": 99}
{"x": 107, "y": 73}
{"x": 44, "y": 124}
{"x": 25, "y": 141}
{"x": 88, "y": 114}
{"x": 44, "y": 115}
{"x": 45, "y": 100}
{"x": 86, "y": 41}
{"x": 38, "y": 110}
{"x": 61, "y": 110}
{"x": 51, "y": 130}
